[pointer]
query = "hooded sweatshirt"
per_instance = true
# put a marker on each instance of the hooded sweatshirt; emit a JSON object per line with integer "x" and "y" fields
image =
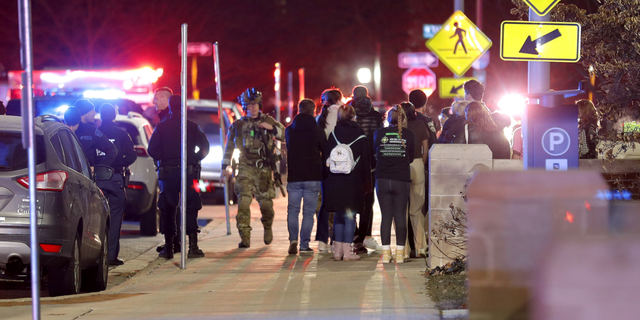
{"x": 306, "y": 144}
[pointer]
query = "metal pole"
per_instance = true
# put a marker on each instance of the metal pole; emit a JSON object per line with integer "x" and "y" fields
{"x": 539, "y": 72}
{"x": 479, "y": 14}
{"x": 290, "y": 96}
{"x": 458, "y": 5}
{"x": 538, "y": 76}
{"x": 28, "y": 138}
{"x": 223, "y": 138}
{"x": 301, "y": 82}
{"x": 277, "y": 90}
{"x": 183, "y": 150}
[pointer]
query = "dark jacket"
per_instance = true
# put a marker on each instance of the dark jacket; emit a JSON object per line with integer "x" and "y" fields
{"x": 496, "y": 141}
{"x": 121, "y": 139}
{"x": 306, "y": 144}
{"x": 164, "y": 145}
{"x": 164, "y": 114}
{"x": 346, "y": 191}
{"x": 93, "y": 140}
{"x": 451, "y": 129}
{"x": 393, "y": 160}
{"x": 369, "y": 121}
{"x": 430, "y": 125}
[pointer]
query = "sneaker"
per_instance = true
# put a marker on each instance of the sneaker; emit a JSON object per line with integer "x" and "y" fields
{"x": 293, "y": 247}
{"x": 422, "y": 253}
{"x": 372, "y": 244}
{"x": 306, "y": 251}
{"x": 399, "y": 256}
{"x": 323, "y": 247}
{"x": 386, "y": 256}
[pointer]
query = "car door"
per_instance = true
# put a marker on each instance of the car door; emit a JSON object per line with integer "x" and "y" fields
{"x": 86, "y": 192}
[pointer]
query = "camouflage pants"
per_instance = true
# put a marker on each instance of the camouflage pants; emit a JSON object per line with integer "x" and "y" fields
{"x": 250, "y": 182}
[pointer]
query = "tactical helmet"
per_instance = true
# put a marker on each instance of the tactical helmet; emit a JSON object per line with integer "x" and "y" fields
{"x": 250, "y": 96}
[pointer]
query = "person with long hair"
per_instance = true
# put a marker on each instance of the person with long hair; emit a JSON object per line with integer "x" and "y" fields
{"x": 394, "y": 152}
{"x": 417, "y": 191}
{"x": 588, "y": 125}
{"x": 331, "y": 102}
{"x": 344, "y": 193}
{"x": 479, "y": 128}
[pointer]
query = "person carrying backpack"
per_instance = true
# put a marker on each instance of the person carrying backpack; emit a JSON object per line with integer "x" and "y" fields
{"x": 394, "y": 149}
{"x": 346, "y": 180}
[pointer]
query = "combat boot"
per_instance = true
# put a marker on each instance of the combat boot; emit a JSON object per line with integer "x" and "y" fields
{"x": 268, "y": 236}
{"x": 168, "y": 248}
{"x": 194, "y": 251}
{"x": 245, "y": 238}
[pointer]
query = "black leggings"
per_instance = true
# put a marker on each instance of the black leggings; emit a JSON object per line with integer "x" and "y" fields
{"x": 393, "y": 196}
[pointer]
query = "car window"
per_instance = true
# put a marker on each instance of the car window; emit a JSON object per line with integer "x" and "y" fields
{"x": 13, "y": 156}
{"x": 84, "y": 163}
{"x": 148, "y": 131}
{"x": 57, "y": 146}
{"x": 70, "y": 156}
{"x": 207, "y": 120}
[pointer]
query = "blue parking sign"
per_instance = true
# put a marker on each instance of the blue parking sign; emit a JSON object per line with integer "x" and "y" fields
{"x": 552, "y": 137}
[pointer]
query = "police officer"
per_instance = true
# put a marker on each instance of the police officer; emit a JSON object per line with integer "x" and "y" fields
{"x": 100, "y": 153}
{"x": 161, "y": 101}
{"x": 254, "y": 136}
{"x": 126, "y": 156}
{"x": 164, "y": 148}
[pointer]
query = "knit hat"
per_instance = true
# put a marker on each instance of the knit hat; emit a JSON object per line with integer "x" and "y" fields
{"x": 84, "y": 106}
{"x": 418, "y": 98}
{"x": 107, "y": 112}
{"x": 360, "y": 92}
{"x": 72, "y": 116}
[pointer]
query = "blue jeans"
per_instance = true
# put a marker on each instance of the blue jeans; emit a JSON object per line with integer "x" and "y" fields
{"x": 306, "y": 191}
{"x": 344, "y": 225}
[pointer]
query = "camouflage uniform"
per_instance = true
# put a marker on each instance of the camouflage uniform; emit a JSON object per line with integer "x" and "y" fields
{"x": 255, "y": 176}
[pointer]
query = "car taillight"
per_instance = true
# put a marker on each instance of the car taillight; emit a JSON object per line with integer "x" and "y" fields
{"x": 51, "y": 247}
{"x": 140, "y": 151}
{"x": 135, "y": 186}
{"x": 47, "y": 181}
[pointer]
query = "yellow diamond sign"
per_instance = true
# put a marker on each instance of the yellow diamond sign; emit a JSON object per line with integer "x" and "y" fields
{"x": 452, "y": 87}
{"x": 459, "y": 43}
{"x": 540, "y": 41}
{"x": 542, "y": 7}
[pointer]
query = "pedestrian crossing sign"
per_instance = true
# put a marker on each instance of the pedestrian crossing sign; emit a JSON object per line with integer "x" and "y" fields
{"x": 459, "y": 43}
{"x": 542, "y": 7}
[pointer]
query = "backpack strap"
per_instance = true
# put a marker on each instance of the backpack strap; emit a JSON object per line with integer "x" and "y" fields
{"x": 358, "y": 138}
{"x": 352, "y": 142}
{"x": 334, "y": 136}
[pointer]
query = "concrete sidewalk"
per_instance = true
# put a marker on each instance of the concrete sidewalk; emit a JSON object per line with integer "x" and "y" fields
{"x": 256, "y": 283}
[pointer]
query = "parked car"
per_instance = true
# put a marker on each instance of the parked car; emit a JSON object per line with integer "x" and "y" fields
{"x": 205, "y": 114}
{"x": 142, "y": 189}
{"x": 73, "y": 214}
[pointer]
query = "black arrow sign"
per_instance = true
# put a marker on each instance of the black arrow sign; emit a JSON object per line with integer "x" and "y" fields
{"x": 454, "y": 89}
{"x": 530, "y": 46}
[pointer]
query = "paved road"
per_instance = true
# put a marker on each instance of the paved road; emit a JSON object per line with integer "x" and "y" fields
{"x": 256, "y": 283}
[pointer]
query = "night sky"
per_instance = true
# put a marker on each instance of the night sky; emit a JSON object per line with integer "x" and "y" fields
{"x": 331, "y": 39}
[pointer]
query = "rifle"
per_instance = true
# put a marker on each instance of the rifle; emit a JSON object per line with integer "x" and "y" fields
{"x": 272, "y": 159}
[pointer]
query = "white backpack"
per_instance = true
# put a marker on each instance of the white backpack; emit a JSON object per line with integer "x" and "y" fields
{"x": 341, "y": 157}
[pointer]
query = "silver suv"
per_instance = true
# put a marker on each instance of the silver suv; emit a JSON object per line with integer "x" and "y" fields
{"x": 73, "y": 215}
{"x": 205, "y": 114}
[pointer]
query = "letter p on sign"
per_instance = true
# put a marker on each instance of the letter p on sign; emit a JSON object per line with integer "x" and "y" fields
{"x": 556, "y": 141}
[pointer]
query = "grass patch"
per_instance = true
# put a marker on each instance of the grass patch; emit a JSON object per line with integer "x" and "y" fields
{"x": 448, "y": 291}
